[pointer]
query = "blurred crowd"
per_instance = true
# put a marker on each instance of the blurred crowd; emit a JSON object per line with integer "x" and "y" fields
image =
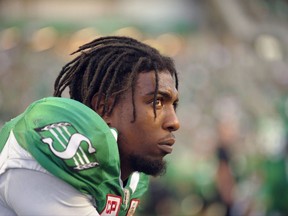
{"x": 231, "y": 155}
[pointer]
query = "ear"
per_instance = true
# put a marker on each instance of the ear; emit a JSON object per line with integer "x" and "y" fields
{"x": 100, "y": 109}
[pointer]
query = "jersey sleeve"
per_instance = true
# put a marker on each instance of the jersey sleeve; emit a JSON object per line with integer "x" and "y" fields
{"x": 72, "y": 142}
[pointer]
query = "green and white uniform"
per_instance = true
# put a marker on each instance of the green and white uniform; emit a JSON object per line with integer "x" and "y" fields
{"x": 67, "y": 139}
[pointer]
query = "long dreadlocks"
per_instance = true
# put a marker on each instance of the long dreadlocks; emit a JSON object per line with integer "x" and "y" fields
{"x": 108, "y": 66}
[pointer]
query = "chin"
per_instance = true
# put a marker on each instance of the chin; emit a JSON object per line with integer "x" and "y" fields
{"x": 148, "y": 165}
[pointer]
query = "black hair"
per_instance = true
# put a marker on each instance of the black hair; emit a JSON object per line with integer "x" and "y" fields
{"x": 109, "y": 66}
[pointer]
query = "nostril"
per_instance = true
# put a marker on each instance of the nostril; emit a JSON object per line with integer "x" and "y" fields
{"x": 174, "y": 125}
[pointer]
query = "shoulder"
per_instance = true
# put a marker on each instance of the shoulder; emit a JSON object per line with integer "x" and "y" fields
{"x": 62, "y": 128}
{"x": 60, "y": 106}
{"x": 52, "y": 111}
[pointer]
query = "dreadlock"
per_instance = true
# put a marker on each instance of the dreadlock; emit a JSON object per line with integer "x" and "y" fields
{"x": 108, "y": 66}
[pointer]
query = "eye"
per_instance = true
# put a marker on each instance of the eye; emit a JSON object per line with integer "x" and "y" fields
{"x": 175, "y": 105}
{"x": 158, "y": 103}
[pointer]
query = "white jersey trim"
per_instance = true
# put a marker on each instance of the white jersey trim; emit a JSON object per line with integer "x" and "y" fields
{"x": 134, "y": 181}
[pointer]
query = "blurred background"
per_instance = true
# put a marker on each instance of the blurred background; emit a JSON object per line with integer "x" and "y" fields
{"x": 231, "y": 154}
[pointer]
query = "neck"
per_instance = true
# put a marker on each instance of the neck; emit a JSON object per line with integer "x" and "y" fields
{"x": 126, "y": 171}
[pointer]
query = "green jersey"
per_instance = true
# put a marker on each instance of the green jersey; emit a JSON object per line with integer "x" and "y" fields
{"x": 73, "y": 143}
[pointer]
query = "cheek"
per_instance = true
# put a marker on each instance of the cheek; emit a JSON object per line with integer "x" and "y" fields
{"x": 140, "y": 131}
{"x": 144, "y": 130}
{"x": 136, "y": 134}
{"x": 146, "y": 116}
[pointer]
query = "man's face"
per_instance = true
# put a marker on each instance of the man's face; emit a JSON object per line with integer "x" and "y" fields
{"x": 144, "y": 142}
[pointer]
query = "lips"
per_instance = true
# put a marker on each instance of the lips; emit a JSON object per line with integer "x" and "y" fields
{"x": 166, "y": 145}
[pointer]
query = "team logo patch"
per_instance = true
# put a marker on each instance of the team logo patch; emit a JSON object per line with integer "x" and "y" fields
{"x": 133, "y": 206}
{"x": 112, "y": 207}
{"x": 65, "y": 142}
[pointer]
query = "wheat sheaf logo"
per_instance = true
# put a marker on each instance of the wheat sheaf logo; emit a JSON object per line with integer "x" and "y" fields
{"x": 66, "y": 143}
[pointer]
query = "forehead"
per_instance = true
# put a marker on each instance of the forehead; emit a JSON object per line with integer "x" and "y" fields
{"x": 146, "y": 83}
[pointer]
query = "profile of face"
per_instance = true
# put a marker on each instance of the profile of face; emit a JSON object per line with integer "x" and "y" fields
{"x": 143, "y": 143}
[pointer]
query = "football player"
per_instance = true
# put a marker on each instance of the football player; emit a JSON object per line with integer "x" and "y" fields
{"x": 92, "y": 153}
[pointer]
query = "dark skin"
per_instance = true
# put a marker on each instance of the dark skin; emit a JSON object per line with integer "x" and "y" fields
{"x": 147, "y": 139}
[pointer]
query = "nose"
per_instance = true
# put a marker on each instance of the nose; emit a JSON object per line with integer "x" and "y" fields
{"x": 171, "y": 121}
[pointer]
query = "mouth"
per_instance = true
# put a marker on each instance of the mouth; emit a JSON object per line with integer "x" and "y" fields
{"x": 166, "y": 145}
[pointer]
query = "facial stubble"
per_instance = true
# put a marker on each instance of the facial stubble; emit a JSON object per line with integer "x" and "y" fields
{"x": 154, "y": 167}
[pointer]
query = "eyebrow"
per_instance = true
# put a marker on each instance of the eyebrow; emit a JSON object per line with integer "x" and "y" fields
{"x": 167, "y": 96}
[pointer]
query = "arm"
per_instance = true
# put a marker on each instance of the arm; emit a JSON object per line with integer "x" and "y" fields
{"x": 29, "y": 192}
